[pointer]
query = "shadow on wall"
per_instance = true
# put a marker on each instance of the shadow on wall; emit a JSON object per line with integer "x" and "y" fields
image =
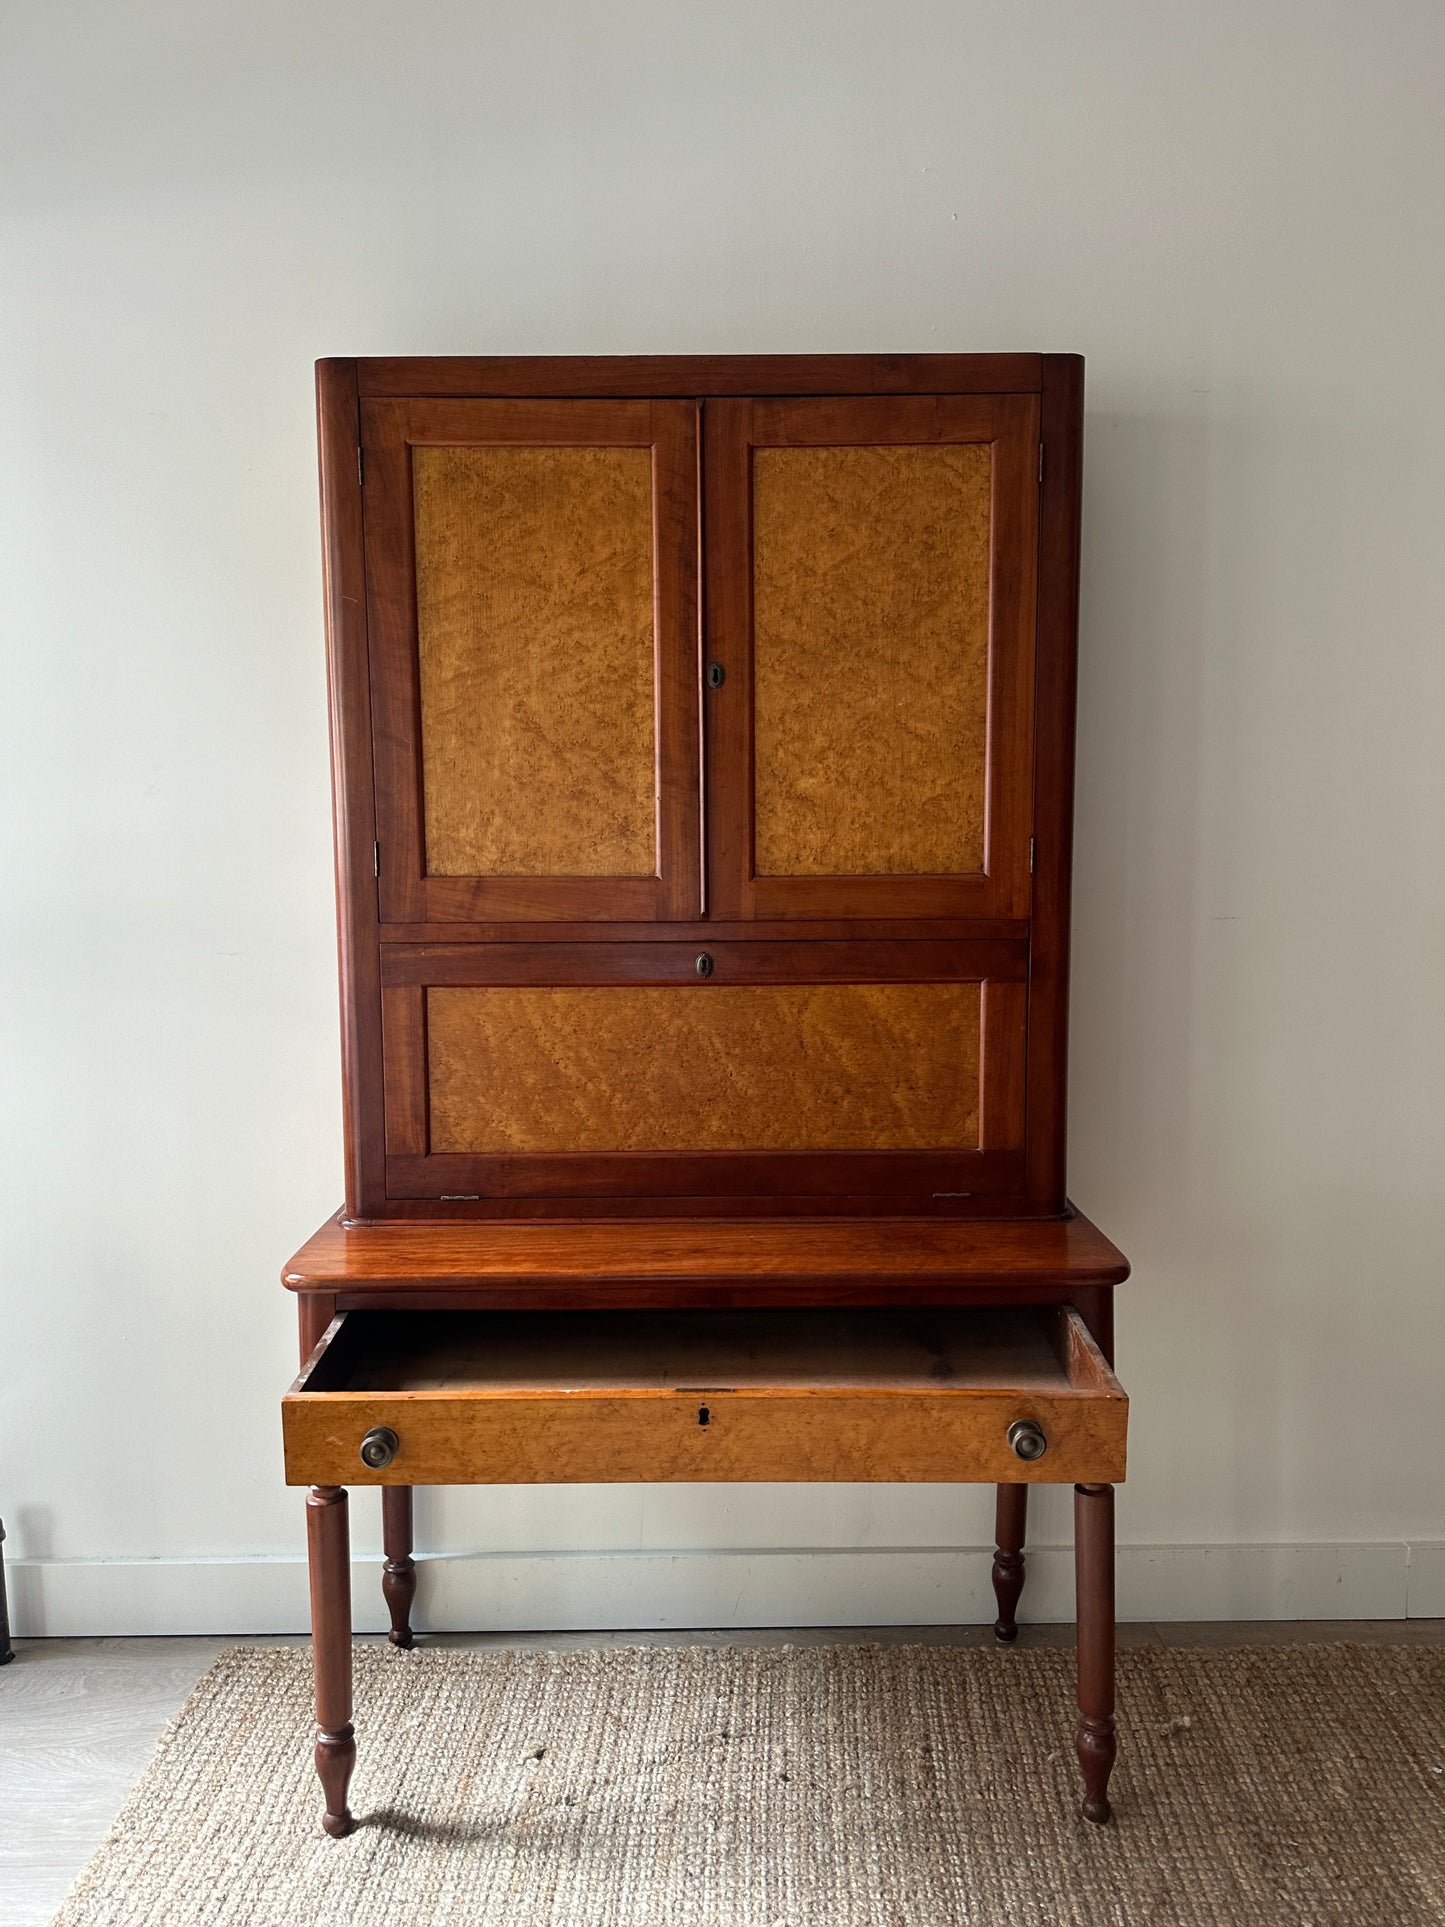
{"x": 27, "y": 1536}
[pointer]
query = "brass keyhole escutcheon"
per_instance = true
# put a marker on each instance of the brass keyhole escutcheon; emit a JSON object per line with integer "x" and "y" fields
{"x": 704, "y": 965}
{"x": 716, "y": 675}
{"x": 378, "y": 1448}
{"x": 1026, "y": 1436}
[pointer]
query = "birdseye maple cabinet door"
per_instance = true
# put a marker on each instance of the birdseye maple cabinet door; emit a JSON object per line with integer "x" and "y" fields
{"x": 645, "y": 1069}
{"x": 533, "y": 643}
{"x": 870, "y": 588}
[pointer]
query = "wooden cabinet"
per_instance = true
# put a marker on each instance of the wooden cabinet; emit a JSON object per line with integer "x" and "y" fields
{"x": 702, "y": 738}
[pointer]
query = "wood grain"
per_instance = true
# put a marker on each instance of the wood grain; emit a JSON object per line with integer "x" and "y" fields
{"x": 426, "y": 1254}
{"x": 955, "y": 930}
{"x": 581, "y": 1182}
{"x": 511, "y": 657}
{"x": 398, "y": 1576}
{"x": 1056, "y": 677}
{"x": 754, "y": 809}
{"x": 328, "y": 1543}
{"x": 643, "y": 962}
{"x": 352, "y": 780}
{"x": 534, "y": 578}
{"x": 697, "y": 375}
{"x": 771, "y": 407}
{"x": 642, "y": 1351}
{"x": 703, "y": 1068}
{"x": 657, "y": 1438}
{"x": 870, "y": 659}
{"x": 1095, "y": 1742}
{"x": 483, "y": 1399}
{"x": 1010, "y": 1523}
{"x": 1004, "y": 1023}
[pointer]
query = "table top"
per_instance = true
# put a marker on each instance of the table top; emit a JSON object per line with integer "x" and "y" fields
{"x": 849, "y": 1255}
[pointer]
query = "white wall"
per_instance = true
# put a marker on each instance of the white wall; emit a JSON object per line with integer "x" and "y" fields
{"x": 1233, "y": 211}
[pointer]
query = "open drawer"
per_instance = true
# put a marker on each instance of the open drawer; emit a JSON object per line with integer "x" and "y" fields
{"x": 501, "y": 1397}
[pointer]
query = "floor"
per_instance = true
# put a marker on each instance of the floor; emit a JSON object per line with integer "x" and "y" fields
{"x": 79, "y": 1717}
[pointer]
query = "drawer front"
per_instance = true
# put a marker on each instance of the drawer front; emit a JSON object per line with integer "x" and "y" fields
{"x": 643, "y": 1069}
{"x": 635, "y": 1398}
{"x": 475, "y": 1439}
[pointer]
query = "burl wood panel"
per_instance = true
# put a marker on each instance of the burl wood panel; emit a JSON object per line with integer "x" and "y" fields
{"x": 709, "y": 1067}
{"x": 534, "y": 582}
{"x": 472, "y": 1439}
{"x": 870, "y": 640}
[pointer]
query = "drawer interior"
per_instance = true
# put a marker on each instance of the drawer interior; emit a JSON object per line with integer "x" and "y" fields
{"x": 1041, "y": 1348}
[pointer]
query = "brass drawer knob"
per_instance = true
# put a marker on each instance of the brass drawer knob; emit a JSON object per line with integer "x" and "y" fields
{"x": 378, "y": 1448}
{"x": 1026, "y": 1436}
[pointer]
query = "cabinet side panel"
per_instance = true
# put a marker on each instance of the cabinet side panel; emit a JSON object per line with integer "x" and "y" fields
{"x": 353, "y": 799}
{"x": 870, "y": 664}
{"x": 534, "y": 582}
{"x": 877, "y": 1067}
{"x": 1061, "y": 427}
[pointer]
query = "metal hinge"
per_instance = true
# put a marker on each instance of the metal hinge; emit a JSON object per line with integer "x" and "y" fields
{"x": 360, "y": 467}
{"x": 1041, "y": 461}
{"x": 460, "y": 1197}
{"x": 1031, "y": 856}
{"x": 376, "y": 859}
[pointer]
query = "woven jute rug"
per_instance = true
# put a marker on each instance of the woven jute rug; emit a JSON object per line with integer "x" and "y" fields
{"x": 795, "y": 1787}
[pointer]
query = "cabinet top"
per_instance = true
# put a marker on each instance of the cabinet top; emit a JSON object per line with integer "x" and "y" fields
{"x": 699, "y": 376}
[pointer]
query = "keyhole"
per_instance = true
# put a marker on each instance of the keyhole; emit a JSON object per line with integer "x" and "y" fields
{"x": 704, "y": 1416}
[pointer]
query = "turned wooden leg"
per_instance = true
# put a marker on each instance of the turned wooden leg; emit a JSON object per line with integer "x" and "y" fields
{"x": 1094, "y": 1582}
{"x": 398, "y": 1579}
{"x": 1008, "y": 1559}
{"x": 328, "y": 1544}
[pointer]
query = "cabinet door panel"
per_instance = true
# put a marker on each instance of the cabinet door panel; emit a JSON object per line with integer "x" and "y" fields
{"x": 532, "y": 583}
{"x": 615, "y": 1069}
{"x": 871, "y": 569}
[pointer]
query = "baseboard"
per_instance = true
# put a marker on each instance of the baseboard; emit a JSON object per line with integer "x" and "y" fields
{"x": 883, "y": 1586}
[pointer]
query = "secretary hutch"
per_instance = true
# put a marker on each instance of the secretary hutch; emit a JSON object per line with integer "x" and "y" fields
{"x": 703, "y": 749}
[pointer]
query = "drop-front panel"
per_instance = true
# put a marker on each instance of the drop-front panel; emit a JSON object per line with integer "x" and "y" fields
{"x": 616, "y": 1070}
{"x": 703, "y": 755}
